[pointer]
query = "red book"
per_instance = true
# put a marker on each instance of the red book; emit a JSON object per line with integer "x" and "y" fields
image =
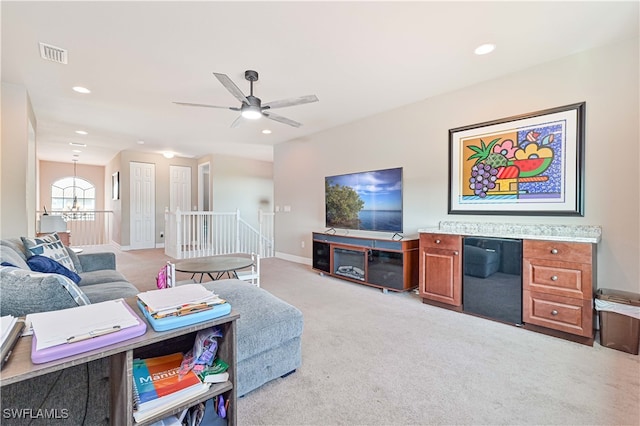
{"x": 156, "y": 380}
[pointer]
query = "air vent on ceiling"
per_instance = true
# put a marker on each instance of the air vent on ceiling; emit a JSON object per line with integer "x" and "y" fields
{"x": 53, "y": 53}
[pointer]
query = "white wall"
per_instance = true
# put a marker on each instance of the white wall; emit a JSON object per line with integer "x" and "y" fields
{"x": 415, "y": 137}
{"x": 18, "y": 163}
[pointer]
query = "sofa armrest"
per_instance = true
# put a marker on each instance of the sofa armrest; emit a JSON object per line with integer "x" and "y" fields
{"x": 97, "y": 261}
{"x": 28, "y": 292}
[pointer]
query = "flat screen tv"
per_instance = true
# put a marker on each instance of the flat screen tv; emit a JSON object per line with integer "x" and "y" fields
{"x": 368, "y": 201}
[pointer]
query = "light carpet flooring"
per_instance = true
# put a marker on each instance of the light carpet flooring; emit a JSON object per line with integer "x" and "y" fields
{"x": 370, "y": 358}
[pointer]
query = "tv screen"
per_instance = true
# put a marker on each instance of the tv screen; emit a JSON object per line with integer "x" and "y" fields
{"x": 368, "y": 201}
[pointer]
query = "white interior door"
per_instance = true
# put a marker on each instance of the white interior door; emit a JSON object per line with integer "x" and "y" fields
{"x": 143, "y": 205}
{"x": 180, "y": 188}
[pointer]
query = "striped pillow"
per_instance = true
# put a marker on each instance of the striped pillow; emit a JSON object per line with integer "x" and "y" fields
{"x": 49, "y": 246}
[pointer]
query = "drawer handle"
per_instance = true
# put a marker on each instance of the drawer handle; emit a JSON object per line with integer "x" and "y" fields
{"x": 437, "y": 241}
{"x": 554, "y": 278}
{"x": 554, "y": 312}
{"x": 554, "y": 251}
{"x": 455, "y": 253}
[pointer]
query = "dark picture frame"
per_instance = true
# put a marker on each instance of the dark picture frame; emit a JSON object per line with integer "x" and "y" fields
{"x": 115, "y": 186}
{"x": 530, "y": 164}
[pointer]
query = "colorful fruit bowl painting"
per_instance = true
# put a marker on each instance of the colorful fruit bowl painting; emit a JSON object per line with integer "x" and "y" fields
{"x": 525, "y": 165}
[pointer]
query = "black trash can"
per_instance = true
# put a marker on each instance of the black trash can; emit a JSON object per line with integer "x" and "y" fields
{"x": 618, "y": 316}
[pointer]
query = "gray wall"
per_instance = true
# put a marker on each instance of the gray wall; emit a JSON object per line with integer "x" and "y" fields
{"x": 415, "y": 137}
{"x": 242, "y": 183}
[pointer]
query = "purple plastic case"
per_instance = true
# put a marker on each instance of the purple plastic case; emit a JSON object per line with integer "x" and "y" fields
{"x": 65, "y": 350}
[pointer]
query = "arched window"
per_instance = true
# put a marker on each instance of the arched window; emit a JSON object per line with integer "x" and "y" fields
{"x": 65, "y": 190}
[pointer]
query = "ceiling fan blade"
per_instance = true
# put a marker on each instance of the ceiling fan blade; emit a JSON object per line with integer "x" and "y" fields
{"x": 231, "y": 87}
{"x": 236, "y": 122}
{"x": 281, "y": 119}
{"x": 206, "y": 106}
{"x": 290, "y": 102}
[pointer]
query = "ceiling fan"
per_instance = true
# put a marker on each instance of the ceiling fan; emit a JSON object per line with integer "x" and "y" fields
{"x": 251, "y": 107}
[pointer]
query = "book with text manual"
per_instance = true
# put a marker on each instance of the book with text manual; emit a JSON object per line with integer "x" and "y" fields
{"x": 157, "y": 384}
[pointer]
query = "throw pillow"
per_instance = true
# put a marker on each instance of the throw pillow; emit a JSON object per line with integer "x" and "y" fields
{"x": 75, "y": 259}
{"x": 51, "y": 247}
{"x": 44, "y": 264}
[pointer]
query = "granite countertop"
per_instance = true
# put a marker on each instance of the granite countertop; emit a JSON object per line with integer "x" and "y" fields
{"x": 570, "y": 233}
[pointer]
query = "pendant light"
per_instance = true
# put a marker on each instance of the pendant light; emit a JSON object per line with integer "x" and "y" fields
{"x": 74, "y": 206}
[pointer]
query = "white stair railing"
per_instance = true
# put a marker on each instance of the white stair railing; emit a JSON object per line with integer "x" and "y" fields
{"x": 87, "y": 228}
{"x": 199, "y": 234}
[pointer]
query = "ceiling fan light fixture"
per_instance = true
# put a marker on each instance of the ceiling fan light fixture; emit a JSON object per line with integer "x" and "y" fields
{"x": 251, "y": 112}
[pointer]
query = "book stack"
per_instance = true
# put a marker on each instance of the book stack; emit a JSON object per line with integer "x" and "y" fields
{"x": 11, "y": 331}
{"x": 158, "y": 384}
{"x": 174, "y": 307}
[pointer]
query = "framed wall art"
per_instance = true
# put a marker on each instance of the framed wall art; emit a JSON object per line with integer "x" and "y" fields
{"x": 531, "y": 164}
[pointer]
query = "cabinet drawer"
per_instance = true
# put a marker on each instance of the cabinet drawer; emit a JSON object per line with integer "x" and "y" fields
{"x": 441, "y": 241}
{"x": 555, "y": 250}
{"x": 559, "y": 313}
{"x": 559, "y": 278}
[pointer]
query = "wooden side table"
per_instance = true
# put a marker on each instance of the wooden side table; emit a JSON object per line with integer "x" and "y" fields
{"x": 65, "y": 236}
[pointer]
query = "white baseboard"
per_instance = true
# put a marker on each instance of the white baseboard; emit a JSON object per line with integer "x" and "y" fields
{"x": 127, "y": 248}
{"x": 292, "y": 258}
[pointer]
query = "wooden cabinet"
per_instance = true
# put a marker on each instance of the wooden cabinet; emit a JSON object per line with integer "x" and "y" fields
{"x": 378, "y": 262}
{"x": 65, "y": 236}
{"x": 121, "y": 355}
{"x": 558, "y": 282}
{"x": 440, "y": 269}
{"x": 558, "y": 285}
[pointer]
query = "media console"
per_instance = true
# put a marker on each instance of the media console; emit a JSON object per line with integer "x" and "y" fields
{"x": 386, "y": 263}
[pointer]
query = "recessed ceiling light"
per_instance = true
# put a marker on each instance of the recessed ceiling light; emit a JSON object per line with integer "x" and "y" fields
{"x": 81, "y": 132}
{"x": 140, "y": 142}
{"x": 76, "y": 150}
{"x": 76, "y": 155}
{"x": 266, "y": 131}
{"x": 484, "y": 49}
{"x": 168, "y": 154}
{"x": 81, "y": 89}
{"x": 77, "y": 144}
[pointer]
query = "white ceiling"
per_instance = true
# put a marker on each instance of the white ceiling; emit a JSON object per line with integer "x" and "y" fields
{"x": 359, "y": 58}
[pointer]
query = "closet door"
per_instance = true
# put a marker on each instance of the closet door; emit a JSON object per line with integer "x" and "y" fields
{"x": 142, "y": 205}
